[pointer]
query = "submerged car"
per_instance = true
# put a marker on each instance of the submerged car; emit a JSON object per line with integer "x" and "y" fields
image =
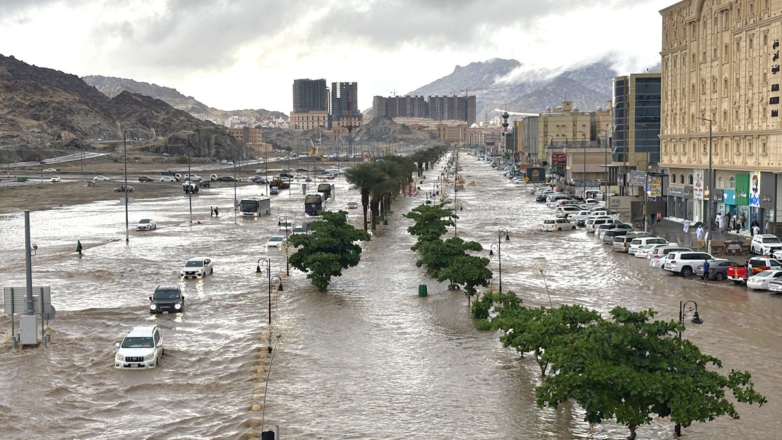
{"x": 141, "y": 348}
{"x": 146, "y": 224}
{"x": 167, "y": 299}
{"x": 275, "y": 241}
{"x": 197, "y": 268}
{"x": 352, "y": 205}
{"x": 761, "y": 280}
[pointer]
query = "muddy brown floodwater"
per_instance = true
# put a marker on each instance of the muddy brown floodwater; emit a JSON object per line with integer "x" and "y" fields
{"x": 367, "y": 360}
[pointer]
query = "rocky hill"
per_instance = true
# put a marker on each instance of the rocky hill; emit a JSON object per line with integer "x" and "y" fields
{"x": 40, "y": 106}
{"x": 499, "y": 83}
{"x": 112, "y": 86}
{"x": 383, "y": 129}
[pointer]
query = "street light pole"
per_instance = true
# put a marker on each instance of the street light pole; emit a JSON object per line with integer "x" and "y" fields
{"x": 499, "y": 251}
{"x": 696, "y": 319}
{"x": 707, "y": 218}
{"x": 279, "y": 220}
{"x": 125, "y": 151}
{"x": 583, "y": 178}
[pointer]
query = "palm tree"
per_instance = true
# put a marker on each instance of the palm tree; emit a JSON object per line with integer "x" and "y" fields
{"x": 364, "y": 176}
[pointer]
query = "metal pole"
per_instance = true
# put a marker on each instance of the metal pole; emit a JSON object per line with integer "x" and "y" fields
{"x": 125, "y": 149}
{"x": 499, "y": 255}
{"x": 269, "y": 276}
{"x": 235, "y": 187}
{"x": 190, "y": 179}
{"x": 28, "y": 260}
{"x": 710, "y": 187}
{"x": 287, "y": 267}
{"x": 678, "y": 428}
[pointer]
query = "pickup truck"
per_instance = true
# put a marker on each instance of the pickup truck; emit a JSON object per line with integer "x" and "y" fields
{"x": 739, "y": 275}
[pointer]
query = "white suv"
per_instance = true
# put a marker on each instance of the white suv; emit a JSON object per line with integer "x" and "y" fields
{"x": 765, "y": 244}
{"x": 556, "y": 224}
{"x": 685, "y": 263}
{"x": 142, "y": 347}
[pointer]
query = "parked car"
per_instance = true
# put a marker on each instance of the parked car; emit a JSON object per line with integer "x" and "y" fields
{"x": 556, "y": 224}
{"x": 758, "y": 264}
{"x": 197, "y": 268}
{"x": 99, "y": 178}
{"x": 581, "y": 217}
{"x": 146, "y": 224}
{"x": 168, "y": 299}
{"x": 275, "y": 241}
{"x": 775, "y": 285}
{"x": 592, "y": 227}
{"x": 286, "y": 225}
{"x": 760, "y": 281}
{"x": 567, "y": 211}
{"x": 718, "y": 269}
{"x": 259, "y": 180}
{"x": 765, "y": 244}
{"x": 192, "y": 177}
{"x": 657, "y": 256}
{"x": 614, "y": 225}
{"x": 621, "y": 243}
{"x": 142, "y": 347}
{"x": 122, "y": 188}
{"x": 685, "y": 263}
{"x": 55, "y": 179}
{"x": 213, "y": 177}
{"x": 167, "y": 179}
{"x": 608, "y": 236}
{"x": 639, "y": 242}
{"x": 144, "y": 179}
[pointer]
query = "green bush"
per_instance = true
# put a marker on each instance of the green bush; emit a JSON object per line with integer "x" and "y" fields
{"x": 181, "y": 159}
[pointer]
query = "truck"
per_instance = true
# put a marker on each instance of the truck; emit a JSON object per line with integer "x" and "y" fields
{"x": 326, "y": 189}
{"x": 313, "y": 204}
{"x": 280, "y": 184}
{"x": 176, "y": 176}
{"x": 255, "y": 206}
{"x": 739, "y": 274}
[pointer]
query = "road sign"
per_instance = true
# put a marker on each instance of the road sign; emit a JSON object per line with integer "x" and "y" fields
{"x": 526, "y": 179}
{"x": 20, "y": 300}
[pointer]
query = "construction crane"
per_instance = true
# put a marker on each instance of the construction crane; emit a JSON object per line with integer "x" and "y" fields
{"x": 314, "y": 150}
{"x": 499, "y": 110}
{"x": 350, "y": 127}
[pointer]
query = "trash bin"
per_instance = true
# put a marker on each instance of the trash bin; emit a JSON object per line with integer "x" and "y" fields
{"x": 733, "y": 247}
{"x": 385, "y": 222}
{"x": 422, "y": 290}
{"x": 21, "y": 179}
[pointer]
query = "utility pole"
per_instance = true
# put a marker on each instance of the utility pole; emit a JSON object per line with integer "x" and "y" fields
{"x": 707, "y": 215}
{"x": 125, "y": 150}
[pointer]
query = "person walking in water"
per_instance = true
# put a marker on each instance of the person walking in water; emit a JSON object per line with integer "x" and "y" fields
{"x": 216, "y": 213}
{"x": 705, "y": 276}
{"x": 686, "y": 226}
{"x": 78, "y": 246}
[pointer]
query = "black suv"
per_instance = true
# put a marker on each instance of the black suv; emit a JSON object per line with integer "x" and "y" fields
{"x": 167, "y": 299}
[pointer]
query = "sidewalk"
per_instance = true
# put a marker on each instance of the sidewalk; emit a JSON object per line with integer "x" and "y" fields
{"x": 673, "y": 231}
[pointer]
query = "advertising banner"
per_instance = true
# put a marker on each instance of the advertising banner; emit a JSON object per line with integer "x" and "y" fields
{"x": 656, "y": 187}
{"x": 637, "y": 178}
{"x": 768, "y": 190}
{"x": 697, "y": 184}
{"x": 558, "y": 158}
{"x": 754, "y": 189}
{"x": 742, "y": 189}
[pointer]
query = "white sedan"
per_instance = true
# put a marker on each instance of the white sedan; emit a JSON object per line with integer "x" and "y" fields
{"x": 146, "y": 224}
{"x": 275, "y": 241}
{"x": 167, "y": 179}
{"x": 50, "y": 170}
{"x": 100, "y": 178}
{"x": 643, "y": 251}
{"x": 197, "y": 268}
{"x": 54, "y": 179}
{"x": 760, "y": 280}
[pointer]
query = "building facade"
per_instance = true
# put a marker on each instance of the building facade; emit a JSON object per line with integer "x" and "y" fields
{"x": 312, "y": 120}
{"x": 247, "y": 135}
{"x": 452, "y": 108}
{"x": 310, "y": 95}
{"x": 399, "y": 106}
{"x": 721, "y": 72}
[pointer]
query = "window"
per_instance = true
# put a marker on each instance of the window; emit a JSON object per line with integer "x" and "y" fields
{"x": 725, "y": 52}
{"x": 738, "y": 45}
{"x": 731, "y": 182}
{"x": 763, "y": 147}
{"x": 749, "y": 148}
{"x": 673, "y": 178}
{"x": 681, "y": 178}
{"x": 738, "y": 146}
{"x": 725, "y": 86}
{"x": 737, "y": 81}
{"x": 765, "y": 36}
{"x": 693, "y": 61}
{"x": 749, "y": 114}
{"x": 689, "y": 179}
{"x": 727, "y": 149}
{"x": 720, "y": 183}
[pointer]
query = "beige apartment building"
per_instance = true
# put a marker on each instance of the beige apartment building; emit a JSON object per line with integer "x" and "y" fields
{"x": 247, "y": 135}
{"x": 310, "y": 120}
{"x": 721, "y": 62}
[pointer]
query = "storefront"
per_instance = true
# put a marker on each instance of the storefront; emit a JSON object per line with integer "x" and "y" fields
{"x": 559, "y": 163}
{"x": 768, "y": 197}
{"x": 717, "y": 206}
{"x": 680, "y": 201}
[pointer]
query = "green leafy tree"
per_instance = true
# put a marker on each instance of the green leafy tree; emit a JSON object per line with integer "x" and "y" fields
{"x": 430, "y": 222}
{"x": 439, "y": 254}
{"x": 469, "y": 272}
{"x": 630, "y": 368}
{"x": 328, "y": 250}
{"x": 364, "y": 176}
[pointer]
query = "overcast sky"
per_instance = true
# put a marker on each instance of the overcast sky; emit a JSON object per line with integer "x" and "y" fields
{"x": 233, "y": 54}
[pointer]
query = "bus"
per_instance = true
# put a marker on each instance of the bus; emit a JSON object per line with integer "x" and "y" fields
{"x": 313, "y": 204}
{"x": 326, "y": 189}
{"x": 255, "y": 206}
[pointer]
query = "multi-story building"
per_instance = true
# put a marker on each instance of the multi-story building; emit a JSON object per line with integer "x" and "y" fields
{"x": 247, "y": 135}
{"x": 312, "y": 120}
{"x": 310, "y": 95}
{"x": 720, "y": 106}
{"x": 635, "y": 128}
{"x": 456, "y": 108}
{"x": 399, "y": 106}
{"x": 344, "y": 96}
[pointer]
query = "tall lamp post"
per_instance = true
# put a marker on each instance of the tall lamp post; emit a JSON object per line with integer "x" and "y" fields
{"x": 499, "y": 250}
{"x": 258, "y": 273}
{"x": 646, "y": 176}
{"x": 684, "y": 309}
{"x": 279, "y": 222}
{"x": 707, "y": 218}
{"x": 605, "y": 163}
{"x": 125, "y": 152}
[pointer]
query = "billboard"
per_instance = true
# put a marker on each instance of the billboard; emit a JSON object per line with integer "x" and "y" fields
{"x": 656, "y": 187}
{"x": 536, "y": 175}
{"x": 697, "y": 188}
{"x": 754, "y": 189}
{"x": 558, "y": 158}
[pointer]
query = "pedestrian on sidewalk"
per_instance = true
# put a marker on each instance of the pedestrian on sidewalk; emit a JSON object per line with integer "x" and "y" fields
{"x": 742, "y": 219}
{"x": 755, "y": 229}
{"x": 719, "y": 220}
{"x": 699, "y": 234}
{"x": 705, "y": 276}
{"x": 735, "y": 223}
{"x": 725, "y": 221}
{"x": 686, "y": 226}
{"x": 653, "y": 217}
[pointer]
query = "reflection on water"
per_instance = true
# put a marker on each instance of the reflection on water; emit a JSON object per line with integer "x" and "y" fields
{"x": 368, "y": 359}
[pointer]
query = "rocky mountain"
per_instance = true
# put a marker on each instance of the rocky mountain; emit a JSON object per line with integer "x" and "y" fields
{"x": 509, "y": 84}
{"x": 112, "y": 86}
{"x": 40, "y": 106}
{"x": 383, "y": 129}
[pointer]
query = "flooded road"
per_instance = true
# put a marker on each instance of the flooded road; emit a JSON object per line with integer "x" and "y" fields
{"x": 367, "y": 360}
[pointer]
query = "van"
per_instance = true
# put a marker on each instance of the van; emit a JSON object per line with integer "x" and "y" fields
{"x": 621, "y": 243}
{"x": 640, "y": 242}
{"x": 608, "y": 236}
{"x": 601, "y": 221}
{"x": 658, "y": 254}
